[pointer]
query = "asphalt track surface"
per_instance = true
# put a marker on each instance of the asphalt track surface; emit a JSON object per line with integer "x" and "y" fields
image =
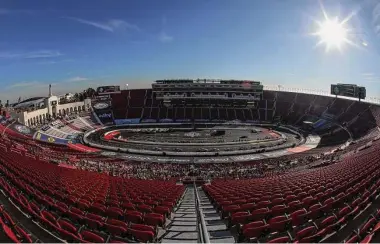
{"x": 175, "y": 140}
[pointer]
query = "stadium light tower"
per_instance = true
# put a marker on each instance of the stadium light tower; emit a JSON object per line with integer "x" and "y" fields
{"x": 126, "y": 86}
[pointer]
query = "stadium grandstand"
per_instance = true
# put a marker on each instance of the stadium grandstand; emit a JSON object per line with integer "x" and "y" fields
{"x": 174, "y": 121}
{"x": 191, "y": 161}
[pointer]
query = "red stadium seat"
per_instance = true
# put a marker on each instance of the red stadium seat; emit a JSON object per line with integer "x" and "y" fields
{"x": 142, "y": 233}
{"x": 278, "y": 223}
{"x": 283, "y": 239}
{"x": 154, "y": 219}
{"x": 91, "y": 237}
{"x": 67, "y": 226}
{"x": 134, "y": 217}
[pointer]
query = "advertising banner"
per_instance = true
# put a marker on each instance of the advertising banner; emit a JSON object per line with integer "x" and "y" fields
{"x": 148, "y": 121}
{"x": 218, "y": 120}
{"x": 101, "y": 102}
{"x": 51, "y": 139}
{"x": 102, "y": 98}
{"x": 105, "y": 90}
{"x": 105, "y": 116}
{"x": 3, "y": 120}
{"x": 166, "y": 120}
{"x": 127, "y": 121}
{"x": 99, "y": 105}
{"x": 183, "y": 120}
{"x": 252, "y": 121}
{"x": 22, "y": 129}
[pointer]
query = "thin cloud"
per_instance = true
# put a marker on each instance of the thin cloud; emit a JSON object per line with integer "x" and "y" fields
{"x": 77, "y": 79}
{"x": 163, "y": 20}
{"x": 25, "y": 84}
{"x": 4, "y": 11}
{"x": 376, "y": 19}
{"x": 165, "y": 38}
{"x": 371, "y": 77}
{"x": 377, "y": 29}
{"x": 49, "y": 62}
{"x": 111, "y": 25}
{"x": 39, "y": 88}
{"x": 374, "y": 80}
{"x": 30, "y": 55}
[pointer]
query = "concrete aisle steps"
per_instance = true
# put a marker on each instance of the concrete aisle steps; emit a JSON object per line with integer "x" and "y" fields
{"x": 183, "y": 226}
{"x": 216, "y": 227}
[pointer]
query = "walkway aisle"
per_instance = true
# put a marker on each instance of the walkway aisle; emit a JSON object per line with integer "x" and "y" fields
{"x": 216, "y": 227}
{"x": 183, "y": 227}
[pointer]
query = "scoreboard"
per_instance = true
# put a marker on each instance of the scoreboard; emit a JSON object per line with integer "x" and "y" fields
{"x": 348, "y": 90}
{"x": 208, "y": 90}
{"x": 105, "y": 90}
{"x": 102, "y": 105}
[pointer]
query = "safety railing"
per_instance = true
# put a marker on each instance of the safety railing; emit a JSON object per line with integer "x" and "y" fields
{"x": 203, "y": 236}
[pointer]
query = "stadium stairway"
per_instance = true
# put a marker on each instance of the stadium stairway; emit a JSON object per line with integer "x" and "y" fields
{"x": 183, "y": 227}
{"x": 216, "y": 227}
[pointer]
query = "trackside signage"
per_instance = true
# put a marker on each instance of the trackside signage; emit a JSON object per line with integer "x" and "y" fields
{"x": 127, "y": 121}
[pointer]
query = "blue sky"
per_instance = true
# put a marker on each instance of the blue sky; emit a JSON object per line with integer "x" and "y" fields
{"x": 78, "y": 44}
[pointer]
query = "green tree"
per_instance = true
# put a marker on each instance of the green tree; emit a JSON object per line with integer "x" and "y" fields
{"x": 90, "y": 92}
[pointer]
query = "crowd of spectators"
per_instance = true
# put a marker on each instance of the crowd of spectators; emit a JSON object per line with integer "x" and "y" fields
{"x": 168, "y": 171}
{"x": 207, "y": 171}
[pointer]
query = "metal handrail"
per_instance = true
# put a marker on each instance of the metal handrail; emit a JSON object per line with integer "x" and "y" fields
{"x": 201, "y": 223}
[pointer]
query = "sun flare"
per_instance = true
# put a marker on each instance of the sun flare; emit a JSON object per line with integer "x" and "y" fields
{"x": 332, "y": 33}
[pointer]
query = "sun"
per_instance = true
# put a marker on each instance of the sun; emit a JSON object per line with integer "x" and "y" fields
{"x": 332, "y": 33}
